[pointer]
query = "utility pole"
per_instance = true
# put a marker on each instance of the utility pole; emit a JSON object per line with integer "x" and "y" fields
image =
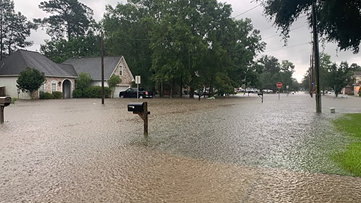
{"x": 317, "y": 59}
{"x": 102, "y": 50}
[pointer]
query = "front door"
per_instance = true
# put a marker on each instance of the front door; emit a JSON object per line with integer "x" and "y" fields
{"x": 66, "y": 89}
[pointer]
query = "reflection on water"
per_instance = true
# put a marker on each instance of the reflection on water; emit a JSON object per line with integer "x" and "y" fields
{"x": 224, "y": 150}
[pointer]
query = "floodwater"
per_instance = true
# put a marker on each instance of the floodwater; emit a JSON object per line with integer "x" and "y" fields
{"x": 225, "y": 150}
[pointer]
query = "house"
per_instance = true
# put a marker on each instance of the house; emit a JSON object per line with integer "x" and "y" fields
{"x": 357, "y": 86}
{"x": 113, "y": 65}
{"x": 59, "y": 78}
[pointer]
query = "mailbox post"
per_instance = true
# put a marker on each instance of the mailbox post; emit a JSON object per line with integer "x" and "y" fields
{"x": 140, "y": 108}
{"x": 4, "y": 102}
{"x": 260, "y": 94}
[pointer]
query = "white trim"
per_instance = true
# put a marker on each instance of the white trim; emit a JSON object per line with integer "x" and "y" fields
{"x": 56, "y": 85}
{"x": 71, "y": 87}
{"x": 116, "y": 67}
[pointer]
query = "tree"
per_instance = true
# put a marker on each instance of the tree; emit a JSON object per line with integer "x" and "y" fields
{"x": 30, "y": 80}
{"x": 325, "y": 65}
{"x": 340, "y": 76}
{"x": 182, "y": 43}
{"x": 338, "y": 20}
{"x": 83, "y": 81}
{"x": 113, "y": 81}
{"x": 69, "y": 18}
{"x": 14, "y": 28}
{"x": 61, "y": 50}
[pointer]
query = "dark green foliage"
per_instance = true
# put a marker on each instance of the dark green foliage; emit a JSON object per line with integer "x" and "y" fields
{"x": 57, "y": 95}
{"x": 84, "y": 90}
{"x": 77, "y": 93}
{"x": 271, "y": 72}
{"x": 46, "y": 95}
{"x": 113, "y": 81}
{"x": 30, "y": 79}
{"x": 338, "y": 20}
{"x": 61, "y": 49}
{"x": 92, "y": 92}
{"x": 333, "y": 77}
{"x": 69, "y": 18}
{"x": 15, "y": 28}
{"x": 340, "y": 76}
{"x": 224, "y": 84}
{"x": 96, "y": 92}
{"x": 184, "y": 43}
{"x": 83, "y": 81}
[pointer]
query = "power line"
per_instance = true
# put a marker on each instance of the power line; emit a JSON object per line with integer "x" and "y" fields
{"x": 247, "y": 11}
{"x": 286, "y": 47}
{"x": 290, "y": 31}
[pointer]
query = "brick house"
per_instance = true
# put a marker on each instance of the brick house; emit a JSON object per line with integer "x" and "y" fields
{"x": 113, "y": 65}
{"x": 59, "y": 78}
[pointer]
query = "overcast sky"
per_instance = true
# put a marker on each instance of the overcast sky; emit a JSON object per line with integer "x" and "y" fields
{"x": 298, "y": 48}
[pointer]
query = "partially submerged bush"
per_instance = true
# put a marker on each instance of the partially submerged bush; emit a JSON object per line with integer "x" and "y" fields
{"x": 57, "y": 95}
{"x": 46, "y": 95}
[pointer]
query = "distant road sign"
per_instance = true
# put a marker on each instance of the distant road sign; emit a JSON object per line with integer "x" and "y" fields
{"x": 279, "y": 85}
{"x": 137, "y": 80}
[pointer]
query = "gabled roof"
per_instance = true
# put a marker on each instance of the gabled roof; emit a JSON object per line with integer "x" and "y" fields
{"x": 22, "y": 59}
{"x": 92, "y": 66}
{"x": 68, "y": 68}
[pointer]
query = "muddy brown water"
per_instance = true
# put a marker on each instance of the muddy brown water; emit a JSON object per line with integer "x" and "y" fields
{"x": 224, "y": 150}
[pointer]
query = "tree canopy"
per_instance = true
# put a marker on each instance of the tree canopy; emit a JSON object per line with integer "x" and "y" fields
{"x": 30, "y": 80}
{"x": 333, "y": 77}
{"x": 69, "y": 18}
{"x": 338, "y": 20}
{"x": 14, "y": 28}
{"x": 182, "y": 43}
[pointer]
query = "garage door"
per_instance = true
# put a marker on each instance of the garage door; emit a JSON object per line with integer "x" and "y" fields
{"x": 119, "y": 89}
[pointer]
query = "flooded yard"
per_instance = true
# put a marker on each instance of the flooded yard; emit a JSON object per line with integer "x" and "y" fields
{"x": 225, "y": 150}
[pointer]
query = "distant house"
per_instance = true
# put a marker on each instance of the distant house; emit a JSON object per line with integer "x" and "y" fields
{"x": 59, "y": 78}
{"x": 357, "y": 86}
{"x": 115, "y": 65}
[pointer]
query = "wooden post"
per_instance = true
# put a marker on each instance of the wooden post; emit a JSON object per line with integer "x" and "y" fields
{"x": 317, "y": 59}
{"x": 2, "y": 114}
{"x": 145, "y": 118}
{"x": 102, "y": 64}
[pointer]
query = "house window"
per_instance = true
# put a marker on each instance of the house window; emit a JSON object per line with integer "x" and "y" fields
{"x": 53, "y": 86}
{"x": 121, "y": 70}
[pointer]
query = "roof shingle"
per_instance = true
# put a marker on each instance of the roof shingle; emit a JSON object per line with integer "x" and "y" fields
{"x": 22, "y": 59}
{"x": 92, "y": 66}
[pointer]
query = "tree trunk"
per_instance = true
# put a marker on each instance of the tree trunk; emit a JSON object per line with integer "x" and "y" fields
{"x": 162, "y": 89}
{"x": 181, "y": 88}
{"x": 171, "y": 88}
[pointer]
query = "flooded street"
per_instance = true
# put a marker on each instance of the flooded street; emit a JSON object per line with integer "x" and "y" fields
{"x": 225, "y": 150}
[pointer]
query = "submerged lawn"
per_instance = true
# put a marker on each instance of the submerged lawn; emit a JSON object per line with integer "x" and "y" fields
{"x": 350, "y": 158}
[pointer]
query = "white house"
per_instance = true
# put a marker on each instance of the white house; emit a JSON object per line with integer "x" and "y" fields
{"x": 59, "y": 78}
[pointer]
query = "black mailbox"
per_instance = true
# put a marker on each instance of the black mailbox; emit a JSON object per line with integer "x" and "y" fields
{"x": 136, "y": 107}
{"x": 5, "y": 101}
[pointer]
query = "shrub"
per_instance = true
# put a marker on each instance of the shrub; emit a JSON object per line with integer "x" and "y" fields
{"x": 96, "y": 92}
{"x": 77, "y": 93}
{"x": 46, "y": 95}
{"x": 57, "y": 95}
{"x": 30, "y": 80}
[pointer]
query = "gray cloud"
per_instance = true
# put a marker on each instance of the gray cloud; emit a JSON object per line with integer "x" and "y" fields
{"x": 299, "y": 55}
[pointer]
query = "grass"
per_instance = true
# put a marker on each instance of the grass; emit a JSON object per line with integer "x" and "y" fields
{"x": 350, "y": 158}
{"x": 13, "y": 100}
